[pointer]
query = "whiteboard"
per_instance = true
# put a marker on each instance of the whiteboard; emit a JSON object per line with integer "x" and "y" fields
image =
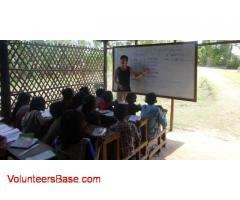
{"x": 173, "y": 69}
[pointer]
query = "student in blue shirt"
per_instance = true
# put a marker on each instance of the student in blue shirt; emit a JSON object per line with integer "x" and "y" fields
{"x": 154, "y": 115}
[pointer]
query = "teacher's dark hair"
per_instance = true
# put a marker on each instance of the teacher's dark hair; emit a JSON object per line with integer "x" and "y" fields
{"x": 124, "y": 57}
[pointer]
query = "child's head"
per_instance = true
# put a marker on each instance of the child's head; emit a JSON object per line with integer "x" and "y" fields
{"x": 131, "y": 98}
{"x": 121, "y": 111}
{"x": 85, "y": 90}
{"x": 78, "y": 100}
{"x": 107, "y": 96}
{"x": 151, "y": 98}
{"x": 23, "y": 98}
{"x": 56, "y": 109}
{"x": 124, "y": 61}
{"x": 99, "y": 92}
{"x": 37, "y": 103}
{"x": 67, "y": 94}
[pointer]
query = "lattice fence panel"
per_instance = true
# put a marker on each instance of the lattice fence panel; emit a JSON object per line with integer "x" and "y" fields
{"x": 44, "y": 70}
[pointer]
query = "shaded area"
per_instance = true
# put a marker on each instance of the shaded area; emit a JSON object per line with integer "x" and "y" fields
{"x": 171, "y": 147}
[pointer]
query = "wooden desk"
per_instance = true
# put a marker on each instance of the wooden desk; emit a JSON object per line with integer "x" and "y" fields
{"x": 15, "y": 152}
{"x": 111, "y": 138}
{"x": 103, "y": 142}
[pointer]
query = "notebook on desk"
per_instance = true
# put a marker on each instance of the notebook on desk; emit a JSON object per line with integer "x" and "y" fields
{"x": 24, "y": 143}
{"x": 10, "y": 133}
{"x": 99, "y": 131}
{"x": 134, "y": 118}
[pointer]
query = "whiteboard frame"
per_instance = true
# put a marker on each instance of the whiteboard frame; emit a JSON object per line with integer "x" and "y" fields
{"x": 194, "y": 99}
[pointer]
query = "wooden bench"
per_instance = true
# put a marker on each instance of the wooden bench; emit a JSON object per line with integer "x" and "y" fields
{"x": 157, "y": 143}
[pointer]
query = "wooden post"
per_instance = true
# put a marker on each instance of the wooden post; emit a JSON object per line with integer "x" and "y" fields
{"x": 5, "y": 82}
{"x": 105, "y": 42}
{"x": 172, "y": 109}
{"x": 136, "y": 42}
{"x": 171, "y": 115}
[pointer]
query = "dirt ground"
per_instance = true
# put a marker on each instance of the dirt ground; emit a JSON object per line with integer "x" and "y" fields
{"x": 184, "y": 145}
{"x": 214, "y": 131}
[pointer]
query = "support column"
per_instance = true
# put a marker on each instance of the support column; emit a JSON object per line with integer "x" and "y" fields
{"x": 5, "y": 82}
{"x": 105, "y": 42}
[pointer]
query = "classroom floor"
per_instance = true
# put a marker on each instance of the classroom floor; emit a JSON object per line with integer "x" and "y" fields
{"x": 185, "y": 145}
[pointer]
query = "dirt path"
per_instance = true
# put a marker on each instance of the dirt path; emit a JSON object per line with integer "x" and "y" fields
{"x": 228, "y": 93}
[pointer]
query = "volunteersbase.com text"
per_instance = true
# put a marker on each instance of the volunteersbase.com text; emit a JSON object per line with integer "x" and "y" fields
{"x": 53, "y": 179}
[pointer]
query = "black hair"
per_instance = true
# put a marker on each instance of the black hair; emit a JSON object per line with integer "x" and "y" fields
{"x": 37, "y": 103}
{"x": 124, "y": 57}
{"x": 71, "y": 128}
{"x": 67, "y": 93}
{"x": 131, "y": 98}
{"x": 151, "y": 98}
{"x": 121, "y": 111}
{"x": 89, "y": 103}
{"x": 23, "y": 99}
{"x": 85, "y": 90}
{"x": 107, "y": 96}
{"x": 99, "y": 92}
{"x": 56, "y": 109}
{"x": 78, "y": 100}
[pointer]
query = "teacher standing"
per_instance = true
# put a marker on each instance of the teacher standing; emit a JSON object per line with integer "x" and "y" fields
{"x": 122, "y": 77}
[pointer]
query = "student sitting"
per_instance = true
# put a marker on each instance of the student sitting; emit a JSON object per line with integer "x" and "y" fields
{"x": 85, "y": 90}
{"x": 67, "y": 95}
{"x": 56, "y": 110}
{"x": 71, "y": 136}
{"x": 99, "y": 96}
{"x": 130, "y": 138}
{"x": 154, "y": 115}
{"x": 78, "y": 100}
{"x": 33, "y": 122}
{"x": 132, "y": 107}
{"x": 21, "y": 108}
{"x": 107, "y": 102}
{"x": 89, "y": 110}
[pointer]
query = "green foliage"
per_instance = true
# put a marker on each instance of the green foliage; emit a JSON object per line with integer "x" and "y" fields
{"x": 233, "y": 63}
{"x": 218, "y": 55}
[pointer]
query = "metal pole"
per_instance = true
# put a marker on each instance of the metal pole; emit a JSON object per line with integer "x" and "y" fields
{"x": 5, "y": 82}
{"x": 105, "y": 42}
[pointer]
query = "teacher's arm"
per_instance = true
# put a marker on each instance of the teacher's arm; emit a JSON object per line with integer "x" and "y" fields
{"x": 139, "y": 75}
